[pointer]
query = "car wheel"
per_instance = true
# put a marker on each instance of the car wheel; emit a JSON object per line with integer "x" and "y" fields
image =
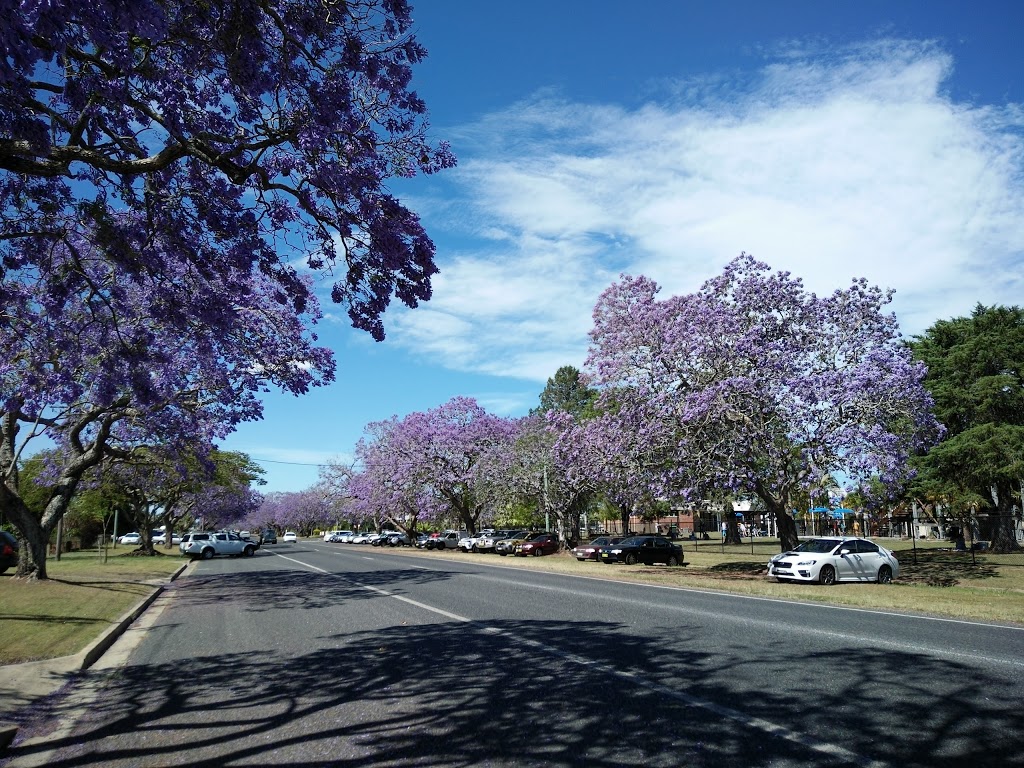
{"x": 503, "y": 553}
{"x": 475, "y": 549}
{"x": 827, "y": 575}
{"x": 250, "y": 551}
{"x": 207, "y": 553}
{"x": 885, "y": 575}
{"x": 630, "y": 559}
{"x": 673, "y": 561}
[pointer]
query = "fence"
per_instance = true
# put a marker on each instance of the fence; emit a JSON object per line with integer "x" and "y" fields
{"x": 909, "y": 549}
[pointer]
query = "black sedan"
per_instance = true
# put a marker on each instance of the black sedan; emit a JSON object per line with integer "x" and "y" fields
{"x": 8, "y": 551}
{"x": 643, "y": 549}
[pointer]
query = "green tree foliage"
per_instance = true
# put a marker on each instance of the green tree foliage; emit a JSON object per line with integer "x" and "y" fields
{"x": 567, "y": 391}
{"x": 975, "y": 377}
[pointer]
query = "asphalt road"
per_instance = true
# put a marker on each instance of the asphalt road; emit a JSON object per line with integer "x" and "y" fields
{"x": 326, "y": 654}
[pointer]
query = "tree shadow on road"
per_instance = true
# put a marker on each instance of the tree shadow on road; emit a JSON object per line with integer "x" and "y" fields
{"x": 537, "y": 693}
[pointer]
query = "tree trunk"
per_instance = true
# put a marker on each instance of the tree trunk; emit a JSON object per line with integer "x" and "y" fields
{"x": 732, "y": 529}
{"x": 33, "y": 536}
{"x": 1004, "y": 540}
{"x": 789, "y": 539}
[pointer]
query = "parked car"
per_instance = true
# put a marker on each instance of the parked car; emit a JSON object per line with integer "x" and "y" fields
{"x": 508, "y": 546}
{"x": 270, "y": 536}
{"x": 289, "y": 537}
{"x": 448, "y": 540}
{"x": 472, "y": 543}
{"x": 836, "y": 558}
{"x": 200, "y": 544}
{"x": 541, "y": 544}
{"x": 8, "y": 551}
{"x": 361, "y": 538}
{"x": 423, "y": 539}
{"x": 161, "y": 538}
{"x": 130, "y": 538}
{"x": 487, "y": 541}
{"x": 592, "y": 550}
{"x": 643, "y": 549}
{"x": 380, "y": 539}
{"x": 398, "y": 539}
{"x": 337, "y": 537}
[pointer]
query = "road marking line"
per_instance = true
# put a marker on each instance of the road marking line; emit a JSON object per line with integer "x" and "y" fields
{"x": 832, "y": 750}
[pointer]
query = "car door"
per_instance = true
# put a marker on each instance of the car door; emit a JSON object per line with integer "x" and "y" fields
{"x": 869, "y": 560}
{"x": 849, "y": 565}
{"x": 648, "y": 554}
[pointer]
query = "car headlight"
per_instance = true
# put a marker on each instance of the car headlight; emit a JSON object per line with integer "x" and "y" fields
{"x": 807, "y": 562}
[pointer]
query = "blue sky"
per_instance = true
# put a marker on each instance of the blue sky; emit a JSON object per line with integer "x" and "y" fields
{"x": 836, "y": 140}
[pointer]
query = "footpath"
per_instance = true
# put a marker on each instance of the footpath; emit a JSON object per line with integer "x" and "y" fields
{"x": 24, "y": 685}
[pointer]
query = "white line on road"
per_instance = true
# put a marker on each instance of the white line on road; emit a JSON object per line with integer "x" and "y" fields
{"x": 832, "y": 750}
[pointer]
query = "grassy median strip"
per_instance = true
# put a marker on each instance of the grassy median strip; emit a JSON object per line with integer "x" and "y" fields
{"x": 82, "y": 598}
{"x": 939, "y": 583}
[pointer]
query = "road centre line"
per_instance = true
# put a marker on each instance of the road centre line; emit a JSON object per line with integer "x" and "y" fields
{"x": 759, "y": 598}
{"x": 944, "y": 653}
{"x": 758, "y": 723}
{"x": 933, "y": 651}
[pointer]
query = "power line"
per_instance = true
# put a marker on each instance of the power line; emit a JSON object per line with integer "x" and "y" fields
{"x": 289, "y": 463}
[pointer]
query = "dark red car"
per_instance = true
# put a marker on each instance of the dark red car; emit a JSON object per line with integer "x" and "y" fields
{"x": 541, "y": 544}
{"x": 592, "y": 551}
{"x": 8, "y": 551}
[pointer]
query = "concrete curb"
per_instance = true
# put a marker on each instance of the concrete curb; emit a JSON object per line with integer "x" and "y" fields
{"x": 25, "y": 683}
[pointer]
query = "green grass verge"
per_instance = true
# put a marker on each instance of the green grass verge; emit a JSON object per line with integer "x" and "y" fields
{"x": 82, "y": 598}
{"x": 939, "y": 583}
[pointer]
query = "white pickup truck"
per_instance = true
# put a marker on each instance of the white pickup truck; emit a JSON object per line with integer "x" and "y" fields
{"x": 205, "y": 545}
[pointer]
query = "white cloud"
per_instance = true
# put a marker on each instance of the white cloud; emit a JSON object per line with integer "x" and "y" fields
{"x": 853, "y": 163}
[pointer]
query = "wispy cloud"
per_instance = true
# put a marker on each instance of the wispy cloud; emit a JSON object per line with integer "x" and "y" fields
{"x": 830, "y": 164}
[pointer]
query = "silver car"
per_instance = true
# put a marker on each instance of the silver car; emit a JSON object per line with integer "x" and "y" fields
{"x": 827, "y": 560}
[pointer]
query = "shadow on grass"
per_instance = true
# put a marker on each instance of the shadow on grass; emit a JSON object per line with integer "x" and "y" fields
{"x": 739, "y": 570}
{"x": 941, "y": 569}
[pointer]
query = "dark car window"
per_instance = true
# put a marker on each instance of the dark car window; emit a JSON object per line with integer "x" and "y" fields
{"x": 661, "y": 543}
{"x": 867, "y": 547}
{"x": 818, "y": 546}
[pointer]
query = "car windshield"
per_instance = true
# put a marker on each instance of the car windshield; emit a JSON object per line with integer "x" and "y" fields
{"x": 630, "y": 542}
{"x": 818, "y": 546}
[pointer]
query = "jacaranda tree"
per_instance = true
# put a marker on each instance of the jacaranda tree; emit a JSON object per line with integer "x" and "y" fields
{"x": 435, "y": 458}
{"x": 162, "y": 165}
{"x": 391, "y": 483}
{"x": 754, "y": 386}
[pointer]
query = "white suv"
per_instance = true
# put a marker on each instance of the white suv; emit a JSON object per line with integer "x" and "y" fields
{"x": 206, "y": 545}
